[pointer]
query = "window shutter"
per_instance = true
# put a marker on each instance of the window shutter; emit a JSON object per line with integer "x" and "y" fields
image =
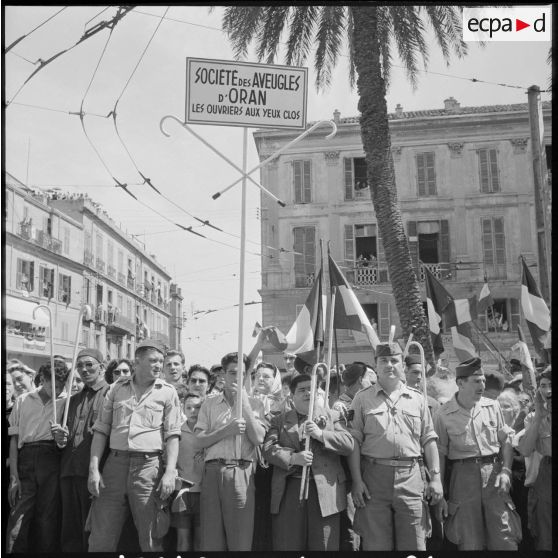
{"x": 487, "y": 247}
{"x": 307, "y": 182}
{"x": 349, "y": 246}
{"x": 515, "y": 316}
{"x": 499, "y": 241}
{"x": 348, "y": 178}
{"x": 495, "y": 182}
{"x": 444, "y": 245}
{"x": 297, "y": 180}
{"x": 310, "y": 250}
{"x": 384, "y": 318}
{"x": 413, "y": 243}
{"x": 483, "y": 171}
{"x": 299, "y": 253}
{"x": 421, "y": 174}
{"x": 430, "y": 174}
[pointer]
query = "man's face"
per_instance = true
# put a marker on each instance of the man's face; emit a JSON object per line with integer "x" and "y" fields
{"x": 413, "y": 374}
{"x": 149, "y": 364}
{"x": 173, "y": 369}
{"x": 192, "y": 408}
{"x": 77, "y": 384}
{"x": 289, "y": 361}
{"x": 231, "y": 376}
{"x": 301, "y": 397}
{"x": 545, "y": 387}
{"x": 473, "y": 387}
{"x": 89, "y": 369}
{"x": 389, "y": 370}
{"x": 197, "y": 383}
{"x": 59, "y": 385}
{"x": 524, "y": 400}
{"x": 22, "y": 382}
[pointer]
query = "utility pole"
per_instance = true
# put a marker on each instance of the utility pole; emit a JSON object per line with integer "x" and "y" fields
{"x": 542, "y": 194}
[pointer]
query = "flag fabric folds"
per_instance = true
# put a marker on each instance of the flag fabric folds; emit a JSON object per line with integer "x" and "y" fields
{"x": 485, "y": 298}
{"x": 349, "y": 314}
{"x": 437, "y": 300}
{"x": 461, "y": 311}
{"x": 462, "y": 338}
{"x": 535, "y": 310}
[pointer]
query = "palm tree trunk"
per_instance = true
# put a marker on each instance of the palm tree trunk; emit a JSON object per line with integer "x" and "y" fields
{"x": 377, "y": 147}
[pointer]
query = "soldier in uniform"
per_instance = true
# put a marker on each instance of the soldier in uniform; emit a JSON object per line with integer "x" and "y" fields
{"x": 141, "y": 418}
{"x": 472, "y": 434}
{"x": 392, "y": 427}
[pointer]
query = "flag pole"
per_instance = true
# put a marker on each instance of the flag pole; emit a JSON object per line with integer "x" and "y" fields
{"x": 337, "y": 363}
{"x": 330, "y": 337}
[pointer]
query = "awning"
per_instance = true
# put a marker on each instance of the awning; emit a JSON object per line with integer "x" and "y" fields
{"x": 21, "y": 310}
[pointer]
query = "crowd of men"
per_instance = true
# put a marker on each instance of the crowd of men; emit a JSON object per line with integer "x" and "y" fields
{"x": 155, "y": 457}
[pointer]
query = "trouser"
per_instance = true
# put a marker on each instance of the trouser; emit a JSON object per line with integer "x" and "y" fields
{"x": 262, "y": 520}
{"x": 130, "y": 486}
{"x": 227, "y": 507}
{"x": 34, "y": 522}
{"x": 540, "y": 521}
{"x": 76, "y": 502}
{"x": 392, "y": 518}
{"x": 300, "y": 525}
{"x": 478, "y": 516}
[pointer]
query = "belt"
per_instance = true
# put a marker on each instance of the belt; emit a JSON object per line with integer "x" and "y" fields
{"x": 44, "y": 443}
{"x": 395, "y": 461}
{"x": 230, "y": 462}
{"x": 144, "y": 454}
{"x": 481, "y": 459}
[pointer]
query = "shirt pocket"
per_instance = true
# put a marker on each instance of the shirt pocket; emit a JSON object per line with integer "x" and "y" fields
{"x": 411, "y": 419}
{"x": 489, "y": 432}
{"x": 122, "y": 413}
{"x": 461, "y": 438}
{"x": 376, "y": 422}
{"x": 152, "y": 414}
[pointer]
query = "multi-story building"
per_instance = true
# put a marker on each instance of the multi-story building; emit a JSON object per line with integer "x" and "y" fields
{"x": 465, "y": 188}
{"x": 65, "y": 249}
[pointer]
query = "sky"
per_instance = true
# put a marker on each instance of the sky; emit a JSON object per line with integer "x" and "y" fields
{"x": 48, "y": 148}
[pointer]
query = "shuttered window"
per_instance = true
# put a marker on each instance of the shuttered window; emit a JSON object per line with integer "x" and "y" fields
{"x": 494, "y": 247}
{"x": 488, "y": 171}
{"x": 25, "y": 275}
{"x": 426, "y": 174}
{"x": 384, "y": 321}
{"x": 356, "y": 179}
{"x": 305, "y": 255}
{"x": 302, "y": 181}
{"x": 46, "y": 282}
{"x": 64, "y": 288}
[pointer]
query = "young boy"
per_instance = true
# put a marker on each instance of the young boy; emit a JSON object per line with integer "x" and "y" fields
{"x": 35, "y": 467}
{"x": 185, "y": 516}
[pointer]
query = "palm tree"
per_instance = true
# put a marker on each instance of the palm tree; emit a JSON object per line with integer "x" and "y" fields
{"x": 369, "y": 31}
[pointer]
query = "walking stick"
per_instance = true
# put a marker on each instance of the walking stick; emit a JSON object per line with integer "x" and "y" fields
{"x": 304, "y": 483}
{"x": 52, "y": 376}
{"x": 84, "y": 310}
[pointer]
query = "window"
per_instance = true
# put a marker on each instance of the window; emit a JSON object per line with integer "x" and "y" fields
{"x": 426, "y": 174}
{"x": 128, "y": 308}
{"x": 110, "y": 253}
{"x": 87, "y": 242}
{"x": 488, "y": 169}
{"x": 46, "y": 282}
{"x": 120, "y": 261}
{"x": 302, "y": 182}
{"x": 99, "y": 239}
{"x": 494, "y": 247}
{"x": 356, "y": 179}
{"x": 305, "y": 255}
{"x": 25, "y": 275}
{"x": 87, "y": 290}
{"x": 66, "y": 240}
{"x": 119, "y": 302}
{"x": 364, "y": 255}
{"x": 503, "y": 316}
{"x": 85, "y": 336}
{"x": 64, "y": 288}
{"x": 429, "y": 244}
{"x": 65, "y": 331}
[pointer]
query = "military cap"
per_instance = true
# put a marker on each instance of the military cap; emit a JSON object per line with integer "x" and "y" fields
{"x": 93, "y": 353}
{"x": 152, "y": 344}
{"x": 413, "y": 359}
{"x": 468, "y": 368}
{"x": 387, "y": 349}
{"x": 353, "y": 372}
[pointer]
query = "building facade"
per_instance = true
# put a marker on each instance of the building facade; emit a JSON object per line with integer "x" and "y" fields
{"x": 65, "y": 251}
{"x": 465, "y": 189}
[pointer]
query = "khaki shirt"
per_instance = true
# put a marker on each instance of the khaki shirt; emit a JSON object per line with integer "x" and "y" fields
{"x": 387, "y": 428}
{"x": 216, "y": 412}
{"x": 139, "y": 425}
{"x": 466, "y": 433}
{"x": 190, "y": 459}
{"x": 544, "y": 440}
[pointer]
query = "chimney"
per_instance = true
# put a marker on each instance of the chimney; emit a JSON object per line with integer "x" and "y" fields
{"x": 451, "y": 104}
{"x": 336, "y": 116}
{"x": 399, "y": 110}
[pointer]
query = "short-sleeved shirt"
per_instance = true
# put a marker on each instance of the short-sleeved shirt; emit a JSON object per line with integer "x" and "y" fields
{"x": 190, "y": 460}
{"x": 30, "y": 417}
{"x": 466, "y": 433}
{"x": 216, "y": 412}
{"x": 139, "y": 424}
{"x": 82, "y": 414}
{"x": 388, "y": 427}
{"x": 544, "y": 440}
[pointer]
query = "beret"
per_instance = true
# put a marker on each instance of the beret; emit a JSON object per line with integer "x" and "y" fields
{"x": 387, "y": 349}
{"x": 413, "y": 359}
{"x": 152, "y": 344}
{"x": 468, "y": 368}
{"x": 353, "y": 372}
{"x": 93, "y": 353}
{"x": 303, "y": 360}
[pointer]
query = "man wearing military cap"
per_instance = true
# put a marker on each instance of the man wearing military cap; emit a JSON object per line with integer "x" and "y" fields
{"x": 414, "y": 376}
{"x": 141, "y": 418}
{"x": 76, "y": 440}
{"x": 472, "y": 434}
{"x": 392, "y": 427}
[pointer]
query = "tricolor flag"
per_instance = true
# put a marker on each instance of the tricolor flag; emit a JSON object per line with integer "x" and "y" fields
{"x": 535, "y": 310}
{"x": 308, "y": 330}
{"x": 485, "y": 298}
{"x": 527, "y": 370}
{"x": 437, "y": 300}
{"x": 462, "y": 338}
{"x": 349, "y": 314}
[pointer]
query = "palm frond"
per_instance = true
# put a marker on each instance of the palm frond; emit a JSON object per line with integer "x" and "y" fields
{"x": 301, "y": 33}
{"x": 241, "y": 25}
{"x": 385, "y": 32}
{"x": 351, "y": 47}
{"x": 268, "y": 38}
{"x": 329, "y": 40}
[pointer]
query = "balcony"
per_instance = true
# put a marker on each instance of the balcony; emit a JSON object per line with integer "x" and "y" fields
{"x": 24, "y": 230}
{"x": 56, "y": 246}
{"x": 111, "y": 271}
{"x": 119, "y": 324}
{"x": 101, "y": 315}
{"x": 440, "y": 270}
{"x": 121, "y": 278}
{"x": 100, "y": 264}
{"x": 304, "y": 280}
{"x": 88, "y": 258}
{"x": 130, "y": 282}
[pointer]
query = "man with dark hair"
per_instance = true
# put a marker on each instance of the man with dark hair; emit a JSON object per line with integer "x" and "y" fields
{"x": 174, "y": 366}
{"x": 314, "y": 524}
{"x": 474, "y": 437}
{"x": 414, "y": 376}
{"x": 227, "y": 492}
{"x": 494, "y": 384}
{"x": 76, "y": 440}
{"x": 198, "y": 380}
{"x": 141, "y": 418}
{"x": 356, "y": 376}
{"x": 33, "y": 494}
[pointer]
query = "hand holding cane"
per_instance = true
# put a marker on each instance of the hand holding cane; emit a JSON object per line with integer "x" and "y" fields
{"x": 52, "y": 375}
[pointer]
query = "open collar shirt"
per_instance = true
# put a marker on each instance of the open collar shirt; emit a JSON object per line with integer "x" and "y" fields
{"x": 544, "y": 440}
{"x": 390, "y": 427}
{"x": 139, "y": 423}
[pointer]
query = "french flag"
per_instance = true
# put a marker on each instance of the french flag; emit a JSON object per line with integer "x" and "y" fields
{"x": 459, "y": 314}
{"x": 437, "y": 300}
{"x": 485, "y": 298}
{"x": 535, "y": 311}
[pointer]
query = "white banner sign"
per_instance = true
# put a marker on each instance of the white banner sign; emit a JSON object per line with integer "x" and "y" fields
{"x": 231, "y": 93}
